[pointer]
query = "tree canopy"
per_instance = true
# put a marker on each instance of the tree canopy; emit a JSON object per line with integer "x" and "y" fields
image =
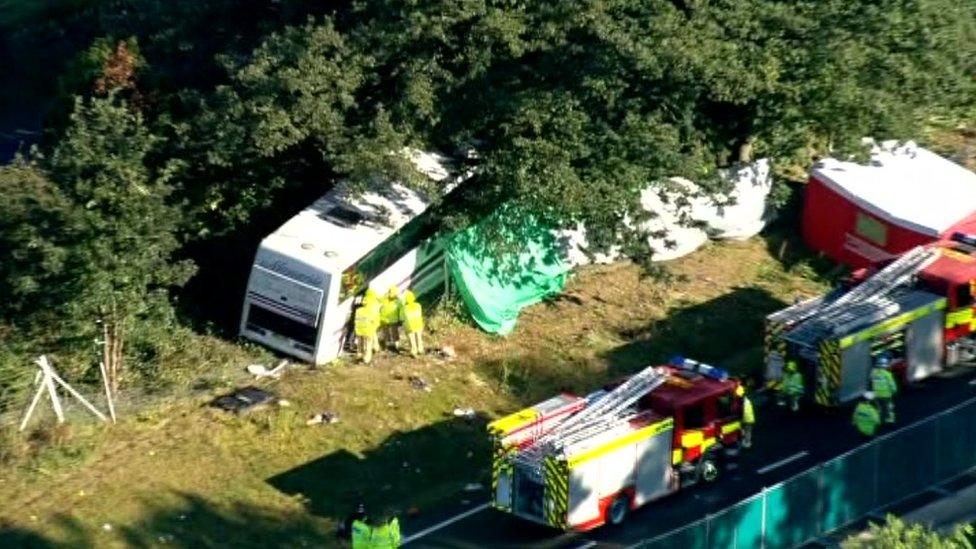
{"x": 194, "y": 121}
{"x": 574, "y": 107}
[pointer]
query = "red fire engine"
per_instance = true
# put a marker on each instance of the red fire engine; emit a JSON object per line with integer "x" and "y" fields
{"x": 577, "y": 463}
{"x": 916, "y": 310}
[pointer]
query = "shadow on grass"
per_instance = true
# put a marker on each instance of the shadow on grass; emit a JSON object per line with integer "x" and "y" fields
{"x": 726, "y": 331}
{"x": 18, "y": 537}
{"x": 408, "y": 469}
{"x": 192, "y": 522}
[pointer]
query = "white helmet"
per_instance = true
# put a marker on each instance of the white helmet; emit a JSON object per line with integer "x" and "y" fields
{"x": 869, "y": 395}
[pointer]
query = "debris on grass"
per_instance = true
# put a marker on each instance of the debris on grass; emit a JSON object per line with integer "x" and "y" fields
{"x": 467, "y": 413}
{"x": 447, "y": 352}
{"x": 472, "y": 487}
{"x": 244, "y": 400}
{"x": 324, "y": 417}
{"x": 260, "y": 370}
{"x": 419, "y": 383}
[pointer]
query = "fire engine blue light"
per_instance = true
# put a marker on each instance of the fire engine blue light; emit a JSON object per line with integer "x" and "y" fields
{"x": 706, "y": 370}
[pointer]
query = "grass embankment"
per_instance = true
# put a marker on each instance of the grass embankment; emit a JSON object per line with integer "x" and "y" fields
{"x": 193, "y": 476}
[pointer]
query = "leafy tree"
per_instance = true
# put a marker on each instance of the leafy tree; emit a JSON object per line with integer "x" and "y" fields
{"x": 895, "y": 534}
{"x": 122, "y": 229}
{"x": 575, "y": 107}
{"x": 33, "y": 225}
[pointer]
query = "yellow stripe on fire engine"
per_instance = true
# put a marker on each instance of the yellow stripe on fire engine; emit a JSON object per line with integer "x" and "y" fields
{"x": 677, "y": 456}
{"x": 731, "y": 427}
{"x": 692, "y": 439}
{"x": 509, "y": 423}
{"x": 959, "y": 316}
{"x": 630, "y": 438}
{"x": 958, "y": 256}
{"x": 892, "y": 323}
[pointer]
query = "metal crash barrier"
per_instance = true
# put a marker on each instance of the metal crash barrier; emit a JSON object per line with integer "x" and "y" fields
{"x": 883, "y": 472}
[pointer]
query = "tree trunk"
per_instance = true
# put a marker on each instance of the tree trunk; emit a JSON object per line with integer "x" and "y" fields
{"x": 112, "y": 332}
{"x": 106, "y": 353}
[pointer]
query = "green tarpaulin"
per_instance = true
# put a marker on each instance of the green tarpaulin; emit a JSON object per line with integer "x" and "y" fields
{"x": 495, "y": 287}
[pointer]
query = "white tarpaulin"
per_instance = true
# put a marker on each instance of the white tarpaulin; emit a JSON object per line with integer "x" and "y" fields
{"x": 680, "y": 226}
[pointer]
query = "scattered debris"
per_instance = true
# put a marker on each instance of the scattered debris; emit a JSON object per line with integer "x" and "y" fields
{"x": 243, "y": 400}
{"x": 284, "y": 403}
{"x": 166, "y": 538}
{"x": 448, "y": 352}
{"x": 467, "y": 413}
{"x": 324, "y": 417}
{"x": 418, "y": 383}
{"x": 472, "y": 487}
{"x": 107, "y": 527}
{"x": 260, "y": 370}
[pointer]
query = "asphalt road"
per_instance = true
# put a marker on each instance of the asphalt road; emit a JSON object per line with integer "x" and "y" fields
{"x": 783, "y": 445}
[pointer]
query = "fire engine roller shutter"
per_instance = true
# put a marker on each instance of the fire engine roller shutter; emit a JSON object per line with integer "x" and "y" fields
{"x": 924, "y": 346}
{"x": 652, "y": 472}
{"x": 856, "y": 371}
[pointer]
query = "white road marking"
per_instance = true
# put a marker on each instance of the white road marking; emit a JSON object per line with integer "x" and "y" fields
{"x": 782, "y": 462}
{"x": 587, "y": 545}
{"x": 447, "y": 522}
{"x": 972, "y": 381}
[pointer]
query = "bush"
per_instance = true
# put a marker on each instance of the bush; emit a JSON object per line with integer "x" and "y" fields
{"x": 895, "y": 534}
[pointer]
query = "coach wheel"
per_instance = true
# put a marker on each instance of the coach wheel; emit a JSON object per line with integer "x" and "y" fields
{"x": 618, "y": 510}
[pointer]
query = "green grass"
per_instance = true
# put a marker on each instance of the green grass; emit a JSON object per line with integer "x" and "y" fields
{"x": 194, "y": 476}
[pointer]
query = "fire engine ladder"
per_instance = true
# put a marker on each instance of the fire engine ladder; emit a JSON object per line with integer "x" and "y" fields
{"x": 865, "y": 299}
{"x": 597, "y": 418}
{"x": 896, "y": 274}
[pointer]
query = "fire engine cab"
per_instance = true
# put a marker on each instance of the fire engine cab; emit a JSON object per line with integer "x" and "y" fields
{"x": 953, "y": 275}
{"x": 576, "y": 463}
